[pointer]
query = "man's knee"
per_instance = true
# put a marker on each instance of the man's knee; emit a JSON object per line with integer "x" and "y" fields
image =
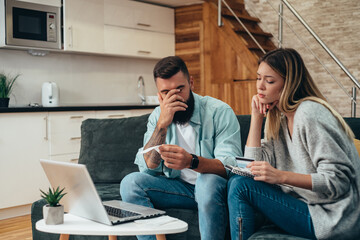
{"x": 210, "y": 189}
{"x": 131, "y": 184}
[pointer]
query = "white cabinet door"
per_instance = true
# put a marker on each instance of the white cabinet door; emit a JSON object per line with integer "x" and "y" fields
{"x": 138, "y": 43}
{"x": 84, "y": 26}
{"x": 137, "y": 15}
{"x": 22, "y": 143}
{"x": 65, "y": 132}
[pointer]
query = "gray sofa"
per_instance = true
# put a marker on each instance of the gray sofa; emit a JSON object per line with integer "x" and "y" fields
{"x": 108, "y": 149}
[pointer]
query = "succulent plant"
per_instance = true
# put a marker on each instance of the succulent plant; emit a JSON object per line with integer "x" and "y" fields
{"x": 53, "y": 196}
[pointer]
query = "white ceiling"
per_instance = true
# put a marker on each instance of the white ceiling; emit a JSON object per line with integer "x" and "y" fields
{"x": 173, "y": 3}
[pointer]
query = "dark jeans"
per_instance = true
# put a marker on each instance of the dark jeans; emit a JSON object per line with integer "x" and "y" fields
{"x": 247, "y": 198}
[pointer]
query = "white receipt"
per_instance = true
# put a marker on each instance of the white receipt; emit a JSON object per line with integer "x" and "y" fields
{"x": 156, "y": 148}
{"x": 157, "y": 221}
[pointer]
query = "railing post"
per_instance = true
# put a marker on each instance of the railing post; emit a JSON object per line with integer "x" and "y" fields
{"x": 353, "y": 102}
{"x": 220, "y": 23}
{"x": 280, "y": 30}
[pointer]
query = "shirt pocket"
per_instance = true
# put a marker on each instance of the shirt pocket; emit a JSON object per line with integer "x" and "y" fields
{"x": 207, "y": 148}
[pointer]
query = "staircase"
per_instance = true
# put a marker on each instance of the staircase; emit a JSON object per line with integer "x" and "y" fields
{"x": 222, "y": 60}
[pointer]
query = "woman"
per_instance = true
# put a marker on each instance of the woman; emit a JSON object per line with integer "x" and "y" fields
{"x": 308, "y": 151}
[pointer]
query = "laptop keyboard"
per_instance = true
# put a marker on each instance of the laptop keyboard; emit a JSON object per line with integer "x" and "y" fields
{"x": 120, "y": 213}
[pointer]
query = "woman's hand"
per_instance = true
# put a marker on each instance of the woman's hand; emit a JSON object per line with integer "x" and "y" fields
{"x": 260, "y": 109}
{"x": 263, "y": 171}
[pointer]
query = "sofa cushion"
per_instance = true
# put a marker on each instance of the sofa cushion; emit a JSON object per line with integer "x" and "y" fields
{"x": 268, "y": 232}
{"x": 109, "y": 146}
{"x": 108, "y": 191}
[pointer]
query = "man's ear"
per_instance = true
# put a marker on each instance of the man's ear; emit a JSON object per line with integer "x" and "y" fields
{"x": 191, "y": 83}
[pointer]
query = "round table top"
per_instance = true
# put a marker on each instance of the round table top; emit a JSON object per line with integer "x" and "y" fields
{"x": 75, "y": 225}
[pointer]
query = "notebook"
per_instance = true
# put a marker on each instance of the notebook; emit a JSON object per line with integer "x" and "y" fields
{"x": 83, "y": 200}
{"x": 241, "y": 169}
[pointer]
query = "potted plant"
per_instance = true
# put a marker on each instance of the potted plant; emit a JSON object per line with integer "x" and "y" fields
{"x": 53, "y": 211}
{"x": 6, "y": 85}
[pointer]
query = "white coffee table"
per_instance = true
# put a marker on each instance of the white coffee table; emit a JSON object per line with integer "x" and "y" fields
{"x": 74, "y": 225}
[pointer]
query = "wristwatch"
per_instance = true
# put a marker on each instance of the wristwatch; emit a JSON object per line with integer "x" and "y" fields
{"x": 194, "y": 162}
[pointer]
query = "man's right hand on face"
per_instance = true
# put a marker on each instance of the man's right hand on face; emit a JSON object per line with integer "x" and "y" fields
{"x": 169, "y": 105}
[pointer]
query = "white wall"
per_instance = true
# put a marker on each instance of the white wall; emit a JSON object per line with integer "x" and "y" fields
{"x": 82, "y": 79}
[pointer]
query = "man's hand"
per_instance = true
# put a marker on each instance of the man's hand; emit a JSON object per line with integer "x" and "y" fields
{"x": 169, "y": 105}
{"x": 175, "y": 157}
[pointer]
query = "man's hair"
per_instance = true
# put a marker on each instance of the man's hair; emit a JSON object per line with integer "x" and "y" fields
{"x": 169, "y": 66}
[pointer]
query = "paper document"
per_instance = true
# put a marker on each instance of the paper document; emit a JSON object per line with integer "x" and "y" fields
{"x": 157, "y": 221}
{"x": 156, "y": 148}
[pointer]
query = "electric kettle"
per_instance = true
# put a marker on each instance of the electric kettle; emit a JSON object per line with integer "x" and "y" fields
{"x": 50, "y": 94}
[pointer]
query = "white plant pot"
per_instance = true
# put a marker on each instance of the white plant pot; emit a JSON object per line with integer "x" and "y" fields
{"x": 53, "y": 215}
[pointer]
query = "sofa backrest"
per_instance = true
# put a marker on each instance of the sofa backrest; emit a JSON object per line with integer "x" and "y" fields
{"x": 109, "y": 146}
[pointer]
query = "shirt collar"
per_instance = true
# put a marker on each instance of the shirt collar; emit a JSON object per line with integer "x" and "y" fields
{"x": 195, "y": 118}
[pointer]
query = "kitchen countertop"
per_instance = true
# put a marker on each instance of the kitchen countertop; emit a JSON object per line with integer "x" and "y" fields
{"x": 127, "y": 106}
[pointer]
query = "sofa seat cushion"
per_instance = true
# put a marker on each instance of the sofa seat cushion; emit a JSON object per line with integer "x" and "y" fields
{"x": 108, "y": 191}
{"x": 268, "y": 232}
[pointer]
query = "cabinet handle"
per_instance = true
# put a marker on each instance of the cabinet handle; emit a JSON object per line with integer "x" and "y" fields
{"x": 46, "y": 129}
{"x": 74, "y": 159}
{"x": 144, "y": 25}
{"x": 73, "y": 117}
{"x": 75, "y": 138}
{"x": 118, "y": 115}
{"x": 71, "y": 36}
{"x": 145, "y": 52}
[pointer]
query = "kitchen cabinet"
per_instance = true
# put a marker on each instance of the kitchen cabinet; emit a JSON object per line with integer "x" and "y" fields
{"x": 27, "y": 137}
{"x": 65, "y": 134}
{"x": 23, "y": 141}
{"x": 138, "y": 29}
{"x": 84, "y": 26}
{"x": 119, "y": 28}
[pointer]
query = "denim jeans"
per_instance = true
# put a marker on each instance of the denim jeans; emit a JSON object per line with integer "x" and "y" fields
{"x": 208, "y": 196}
{"x": 247, "y": 198}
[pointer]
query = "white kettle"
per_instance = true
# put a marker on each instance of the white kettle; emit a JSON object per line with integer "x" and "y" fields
{"x": 50, "y": 94}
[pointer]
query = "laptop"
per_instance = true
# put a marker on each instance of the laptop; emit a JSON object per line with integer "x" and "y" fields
{"x": 83, "y": 200}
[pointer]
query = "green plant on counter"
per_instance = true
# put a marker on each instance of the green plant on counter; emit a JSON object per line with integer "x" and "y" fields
{"x": 6, "y": 84}
{"x": 53, "y": 196}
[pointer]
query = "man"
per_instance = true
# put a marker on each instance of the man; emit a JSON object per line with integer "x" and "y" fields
{"x": 198, "y": 136}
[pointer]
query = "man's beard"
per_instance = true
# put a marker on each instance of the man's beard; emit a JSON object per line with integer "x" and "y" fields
{"x": 182, "y": 117}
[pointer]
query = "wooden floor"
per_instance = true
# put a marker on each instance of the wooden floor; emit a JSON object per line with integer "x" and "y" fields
{"x": 18, "y": 228}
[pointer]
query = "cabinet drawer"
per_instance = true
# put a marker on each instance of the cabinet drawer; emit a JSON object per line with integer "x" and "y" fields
{"x": 72, "y": 158}
{"x": 140, "y": 112}
{"x": 132, "y": 14}
{"x": 138, "y": 43}
{"x": 113, "y": 114}
{"x": 65, "y": 131}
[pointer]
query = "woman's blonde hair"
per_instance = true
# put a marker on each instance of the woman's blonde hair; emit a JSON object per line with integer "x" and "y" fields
{"x": 298, "y": 87}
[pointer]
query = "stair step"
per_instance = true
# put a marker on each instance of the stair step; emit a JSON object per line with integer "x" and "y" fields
{"x": 254, "y": 32}
{"x": 228, "y": 14}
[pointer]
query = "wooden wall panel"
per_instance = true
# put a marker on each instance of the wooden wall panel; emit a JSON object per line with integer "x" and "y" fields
{"x": 219, "y": 61}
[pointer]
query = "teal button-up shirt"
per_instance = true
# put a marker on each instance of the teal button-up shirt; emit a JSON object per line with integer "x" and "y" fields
{"x": 217, "y": 134}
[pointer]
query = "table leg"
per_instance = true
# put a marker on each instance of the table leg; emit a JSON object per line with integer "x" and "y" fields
{"x": 64, "y": 237}
{"x": 160, "y": 237}
{"x": 112, "y": 237}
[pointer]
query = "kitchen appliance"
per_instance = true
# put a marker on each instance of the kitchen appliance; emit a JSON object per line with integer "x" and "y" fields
{"x": 31, "y": 25}
{"x": 50, "y": 96}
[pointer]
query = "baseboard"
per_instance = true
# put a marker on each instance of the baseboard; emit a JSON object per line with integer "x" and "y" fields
{"x": 17, "y": 211}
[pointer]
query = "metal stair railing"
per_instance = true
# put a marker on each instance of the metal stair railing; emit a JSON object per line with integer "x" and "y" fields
{"x": 314, "y": 35}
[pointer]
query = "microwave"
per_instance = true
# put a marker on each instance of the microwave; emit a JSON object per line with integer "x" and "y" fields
{"x": 30, "y": 25}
